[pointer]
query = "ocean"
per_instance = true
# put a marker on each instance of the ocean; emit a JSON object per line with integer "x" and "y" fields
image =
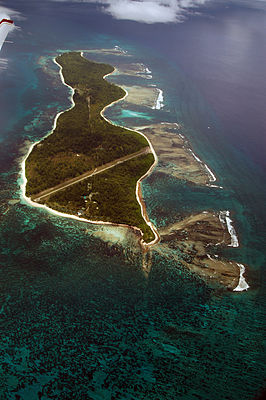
{"x": 81, "y": 319}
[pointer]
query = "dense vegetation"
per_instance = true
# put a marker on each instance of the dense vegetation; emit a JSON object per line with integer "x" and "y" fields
{"x": 109, "y": 196}
{"x": 82, "y": 139}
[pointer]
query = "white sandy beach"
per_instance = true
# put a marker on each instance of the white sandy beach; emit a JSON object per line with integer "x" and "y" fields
{"x": 223, "y": 216}
{"x": 141, "y": 203}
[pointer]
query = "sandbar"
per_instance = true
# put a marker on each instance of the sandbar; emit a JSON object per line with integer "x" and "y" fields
{"x": 141, "y": 95}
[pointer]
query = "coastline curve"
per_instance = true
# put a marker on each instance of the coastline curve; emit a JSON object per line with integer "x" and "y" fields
{"x": 138, "y": 189}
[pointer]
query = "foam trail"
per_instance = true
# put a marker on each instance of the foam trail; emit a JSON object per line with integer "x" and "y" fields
{"x": 242, "y": 284}
{"x": 159, "y": 102}
{"x": 225, "y": 219}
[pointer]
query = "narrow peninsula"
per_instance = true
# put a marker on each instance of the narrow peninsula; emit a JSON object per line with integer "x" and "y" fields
{"x": 89, "y": 167}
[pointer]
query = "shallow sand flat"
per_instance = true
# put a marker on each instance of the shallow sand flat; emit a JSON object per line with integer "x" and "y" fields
{"x": 114, "y": 52}
{"x": 205, "y": 226}
{"x": 142, "y": 96}
{"x": 190, "y": 241}
{"x": 133, "y": 69}
{"x": 174, "y": 154}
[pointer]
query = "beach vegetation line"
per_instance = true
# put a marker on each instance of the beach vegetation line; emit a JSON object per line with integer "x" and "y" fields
{"x": 83, "y": 139}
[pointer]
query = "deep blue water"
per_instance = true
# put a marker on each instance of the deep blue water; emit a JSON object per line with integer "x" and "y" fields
{"x": 80, "y": 318}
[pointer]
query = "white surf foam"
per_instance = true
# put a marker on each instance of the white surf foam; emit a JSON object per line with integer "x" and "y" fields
{"x": 120, "y": 50}
{"x": 242, "y": 284}
{"x": 148, "y": 73}
{"x": 211, "y": 175}
{"x": 159, "y": 101}
{"x": 27, "y": 200}
{"x": 216, "y": 186}
{"x": 225, "y": 219}
{"x": 194, "y": 155}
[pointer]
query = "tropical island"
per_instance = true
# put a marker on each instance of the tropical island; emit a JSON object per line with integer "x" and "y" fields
{"x": 89, "y": 167}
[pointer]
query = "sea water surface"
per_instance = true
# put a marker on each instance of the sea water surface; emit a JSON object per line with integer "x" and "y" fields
{"x": 80, "y": 317}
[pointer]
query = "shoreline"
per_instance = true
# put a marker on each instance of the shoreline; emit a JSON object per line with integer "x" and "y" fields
{"x": 159, "y": 138}
{"x": 138, "y": 187}
{"x": 223, "y": 215}
{"x": 72, "y": 216}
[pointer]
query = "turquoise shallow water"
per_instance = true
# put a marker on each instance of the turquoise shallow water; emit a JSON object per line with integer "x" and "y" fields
{"x": 94, "y": 325}
{"x": 80, "y": 318}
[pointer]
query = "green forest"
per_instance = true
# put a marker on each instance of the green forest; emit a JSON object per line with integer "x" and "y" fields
{"x": 82, "y": 139}
{"x": 109, "y": 196}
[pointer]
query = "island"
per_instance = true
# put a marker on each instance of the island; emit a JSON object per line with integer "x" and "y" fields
{"x": 91, "y": 169}
{"x": 87, "y": 166}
